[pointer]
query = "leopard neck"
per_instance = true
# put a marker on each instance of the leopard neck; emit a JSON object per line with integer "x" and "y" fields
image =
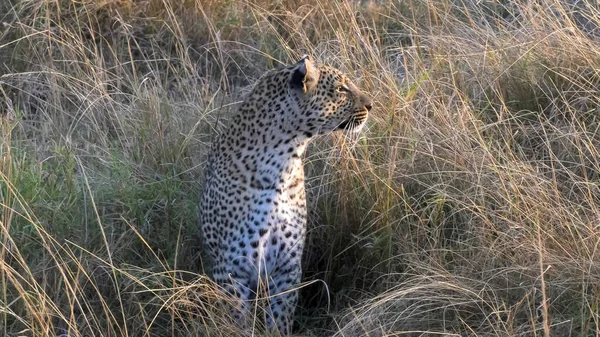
{"x": 264, "y": 147}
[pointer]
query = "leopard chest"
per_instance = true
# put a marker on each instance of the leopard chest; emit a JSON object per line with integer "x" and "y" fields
{"x": 275, "y": 206}
{"x": 260, "y": 224}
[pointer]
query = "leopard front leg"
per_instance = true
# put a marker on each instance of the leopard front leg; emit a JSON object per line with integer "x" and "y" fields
{"x": 283, "y": 297}
{"x": 239, "y": 288}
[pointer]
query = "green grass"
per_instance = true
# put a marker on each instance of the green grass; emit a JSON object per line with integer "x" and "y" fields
{"x": 469, "y": 206}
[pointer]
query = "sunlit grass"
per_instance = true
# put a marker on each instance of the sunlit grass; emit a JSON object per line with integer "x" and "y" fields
{"x": 468, "y": 205}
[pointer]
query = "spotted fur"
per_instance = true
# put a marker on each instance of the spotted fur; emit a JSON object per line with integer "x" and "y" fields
{"x": 253, "y": 207}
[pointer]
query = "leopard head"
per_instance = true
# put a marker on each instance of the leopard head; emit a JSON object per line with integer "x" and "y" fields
{"x": 327, "y": 100}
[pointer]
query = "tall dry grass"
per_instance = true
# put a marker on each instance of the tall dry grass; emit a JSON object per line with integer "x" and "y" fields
{"x": 468, "y": 207}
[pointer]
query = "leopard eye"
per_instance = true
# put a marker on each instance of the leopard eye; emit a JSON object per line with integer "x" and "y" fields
{"x": 342, "y": 89}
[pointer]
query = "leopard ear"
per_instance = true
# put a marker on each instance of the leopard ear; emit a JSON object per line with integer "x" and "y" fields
{"x": 305, "y": 75}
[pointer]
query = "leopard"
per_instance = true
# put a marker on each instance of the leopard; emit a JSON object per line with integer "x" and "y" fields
{"x": 252, "y": 211}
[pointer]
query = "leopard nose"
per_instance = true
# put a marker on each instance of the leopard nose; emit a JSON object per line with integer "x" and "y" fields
{"x": 366, "y": 101}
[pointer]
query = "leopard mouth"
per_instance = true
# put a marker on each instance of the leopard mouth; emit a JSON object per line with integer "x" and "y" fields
{"x": 354, "y": 121}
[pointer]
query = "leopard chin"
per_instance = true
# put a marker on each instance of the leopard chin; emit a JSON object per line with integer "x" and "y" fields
{"x": 354, "y": 123}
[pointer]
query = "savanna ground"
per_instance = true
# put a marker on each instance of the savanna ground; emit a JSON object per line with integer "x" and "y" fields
{"x": 469, "y": 206}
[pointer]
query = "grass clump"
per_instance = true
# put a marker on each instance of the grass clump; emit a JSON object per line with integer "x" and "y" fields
{"x": 468, "y": 207}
